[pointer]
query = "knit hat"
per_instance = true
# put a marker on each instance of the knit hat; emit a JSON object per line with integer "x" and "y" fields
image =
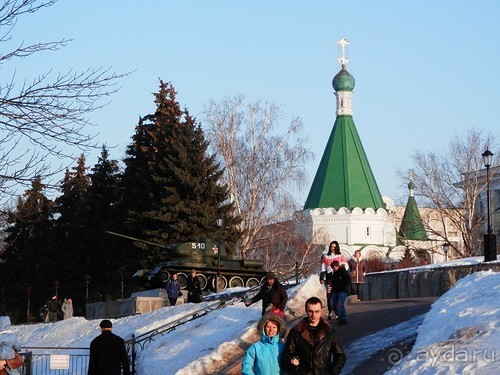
{"x": 106, "y": 324}
{"x": 270, "y": 275}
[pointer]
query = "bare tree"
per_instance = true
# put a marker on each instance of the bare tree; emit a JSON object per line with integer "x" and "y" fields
{"x": 285, "y": 251}
{"x": 263, "y": 159}
{"x": 41, "y": 116}
{"x": 450, "y": 182}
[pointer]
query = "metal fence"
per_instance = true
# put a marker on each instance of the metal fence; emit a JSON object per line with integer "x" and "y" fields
{"x": 55, "y": 361}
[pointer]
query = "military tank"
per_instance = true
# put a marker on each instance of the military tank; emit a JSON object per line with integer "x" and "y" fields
{"x": 215, "y": 270}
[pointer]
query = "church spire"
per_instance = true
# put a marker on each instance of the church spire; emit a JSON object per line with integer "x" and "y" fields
{"x": 412, "y": 227}
{"x": 344, "y": 177}
{"x": 343, "y": 83}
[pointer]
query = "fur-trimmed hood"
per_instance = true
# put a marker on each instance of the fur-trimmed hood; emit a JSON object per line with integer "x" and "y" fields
{"x": 274, "y": 318}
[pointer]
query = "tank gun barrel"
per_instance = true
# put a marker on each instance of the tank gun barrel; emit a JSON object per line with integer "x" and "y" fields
{"x": 135, "y": 239}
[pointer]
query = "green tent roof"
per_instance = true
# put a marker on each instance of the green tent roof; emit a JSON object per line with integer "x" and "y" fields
{"x": 412, "y": 227}
{"x": 344, "y": 177}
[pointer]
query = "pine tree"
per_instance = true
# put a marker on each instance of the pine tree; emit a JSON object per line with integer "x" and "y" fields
{"x": 72, "y": 261}
{"x": 26, "y": 256}
{"x": 109, "y": 258}
{"x": 172, "y": 187}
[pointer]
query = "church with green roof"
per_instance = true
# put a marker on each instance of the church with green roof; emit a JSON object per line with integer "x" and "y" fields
{"x": 344, "y": 202}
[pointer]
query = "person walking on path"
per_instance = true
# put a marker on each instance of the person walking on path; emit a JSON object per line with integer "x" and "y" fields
{"x": 263, "y": 357}
{"x": 326, "y": 272}
{"x": 273, "y": 296}
{"x": 108, "y": 355}
{"x": 334, "y": 253}
{"x": 358, "y": 269}
{"x": 67, "y": 308}
{"x": 340, "y": 286}
{"x": 53, "y": 309}
{"x": 312, "y": 346}
{"x": 194, "y": 288}
{"x": 173, "y": 289}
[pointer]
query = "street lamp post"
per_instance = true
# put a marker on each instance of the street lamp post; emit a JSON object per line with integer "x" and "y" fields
{"x": 87, "y": 282}
{"x": 219, "y": 222}
{"x": 490, "y": 242}
{"x": 446, "y": 248}
{"x": 28, "y": 293}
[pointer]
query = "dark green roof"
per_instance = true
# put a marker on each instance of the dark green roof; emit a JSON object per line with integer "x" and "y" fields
{"x": 412, "y": 227}
{"x": 344, "y": 177}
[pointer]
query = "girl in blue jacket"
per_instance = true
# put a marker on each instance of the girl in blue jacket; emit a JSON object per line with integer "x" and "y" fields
{"x": 263, "y": 357}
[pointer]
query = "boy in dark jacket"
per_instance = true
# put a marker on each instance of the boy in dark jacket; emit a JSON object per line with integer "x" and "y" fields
{"x": 312, "y": 346}
{"x": 341, "y": 280}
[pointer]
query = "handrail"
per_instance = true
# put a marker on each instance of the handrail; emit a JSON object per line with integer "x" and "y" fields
{"x": 171, "y": 325}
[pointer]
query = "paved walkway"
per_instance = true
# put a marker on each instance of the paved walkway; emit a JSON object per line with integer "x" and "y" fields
{"x": 368, "y": 317}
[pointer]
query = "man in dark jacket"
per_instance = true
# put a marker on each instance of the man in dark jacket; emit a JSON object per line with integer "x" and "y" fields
{"x": 340, "y": 286}
{"x": 312, "y": 346}
{"x": 193, "y": 287}
{"x": 108, "y": 355}
{"x": 272, "y": 294}
{"x": 52, "y": 307}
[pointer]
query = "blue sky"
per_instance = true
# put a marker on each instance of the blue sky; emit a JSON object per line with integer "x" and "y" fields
{"x": 424, "y": 70}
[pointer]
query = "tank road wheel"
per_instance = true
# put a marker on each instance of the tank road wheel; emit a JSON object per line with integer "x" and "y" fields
{"x": 251, "y": 282}
{"x": 221, "y": 283}
{"x": 236, "y": 282}
{"x": 164, "y": 275}
{"x": 203, "y": 281}
{"x": 182, "y": 279}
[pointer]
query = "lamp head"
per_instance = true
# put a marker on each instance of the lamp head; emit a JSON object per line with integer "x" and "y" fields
{"x": 487, "y": 158}
{"x": 446, "y": 247}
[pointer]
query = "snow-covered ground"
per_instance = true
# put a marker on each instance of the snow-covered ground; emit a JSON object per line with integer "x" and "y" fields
{"x": 459, "y": 335}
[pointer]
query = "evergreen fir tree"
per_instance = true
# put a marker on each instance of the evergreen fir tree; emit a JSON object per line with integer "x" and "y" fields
{"x": 172, "y": 187}
{"x": 27, "y": 254}
{"x": 72, "y": 262}
{"x": 110, "y": 259}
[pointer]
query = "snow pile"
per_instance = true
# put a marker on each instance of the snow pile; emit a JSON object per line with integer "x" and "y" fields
{"x": 460, "y": 334}
{"x": 297, "y": 296}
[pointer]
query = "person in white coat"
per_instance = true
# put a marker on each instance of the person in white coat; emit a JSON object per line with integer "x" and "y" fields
{"x": 67, "y": 308}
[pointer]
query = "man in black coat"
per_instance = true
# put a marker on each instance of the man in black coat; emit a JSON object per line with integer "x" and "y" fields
{"x": 272, "y": 294}
{"x": 193, "y": 287}
{"x": 312, "y": 346}
{"x": 108, "y": 355}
